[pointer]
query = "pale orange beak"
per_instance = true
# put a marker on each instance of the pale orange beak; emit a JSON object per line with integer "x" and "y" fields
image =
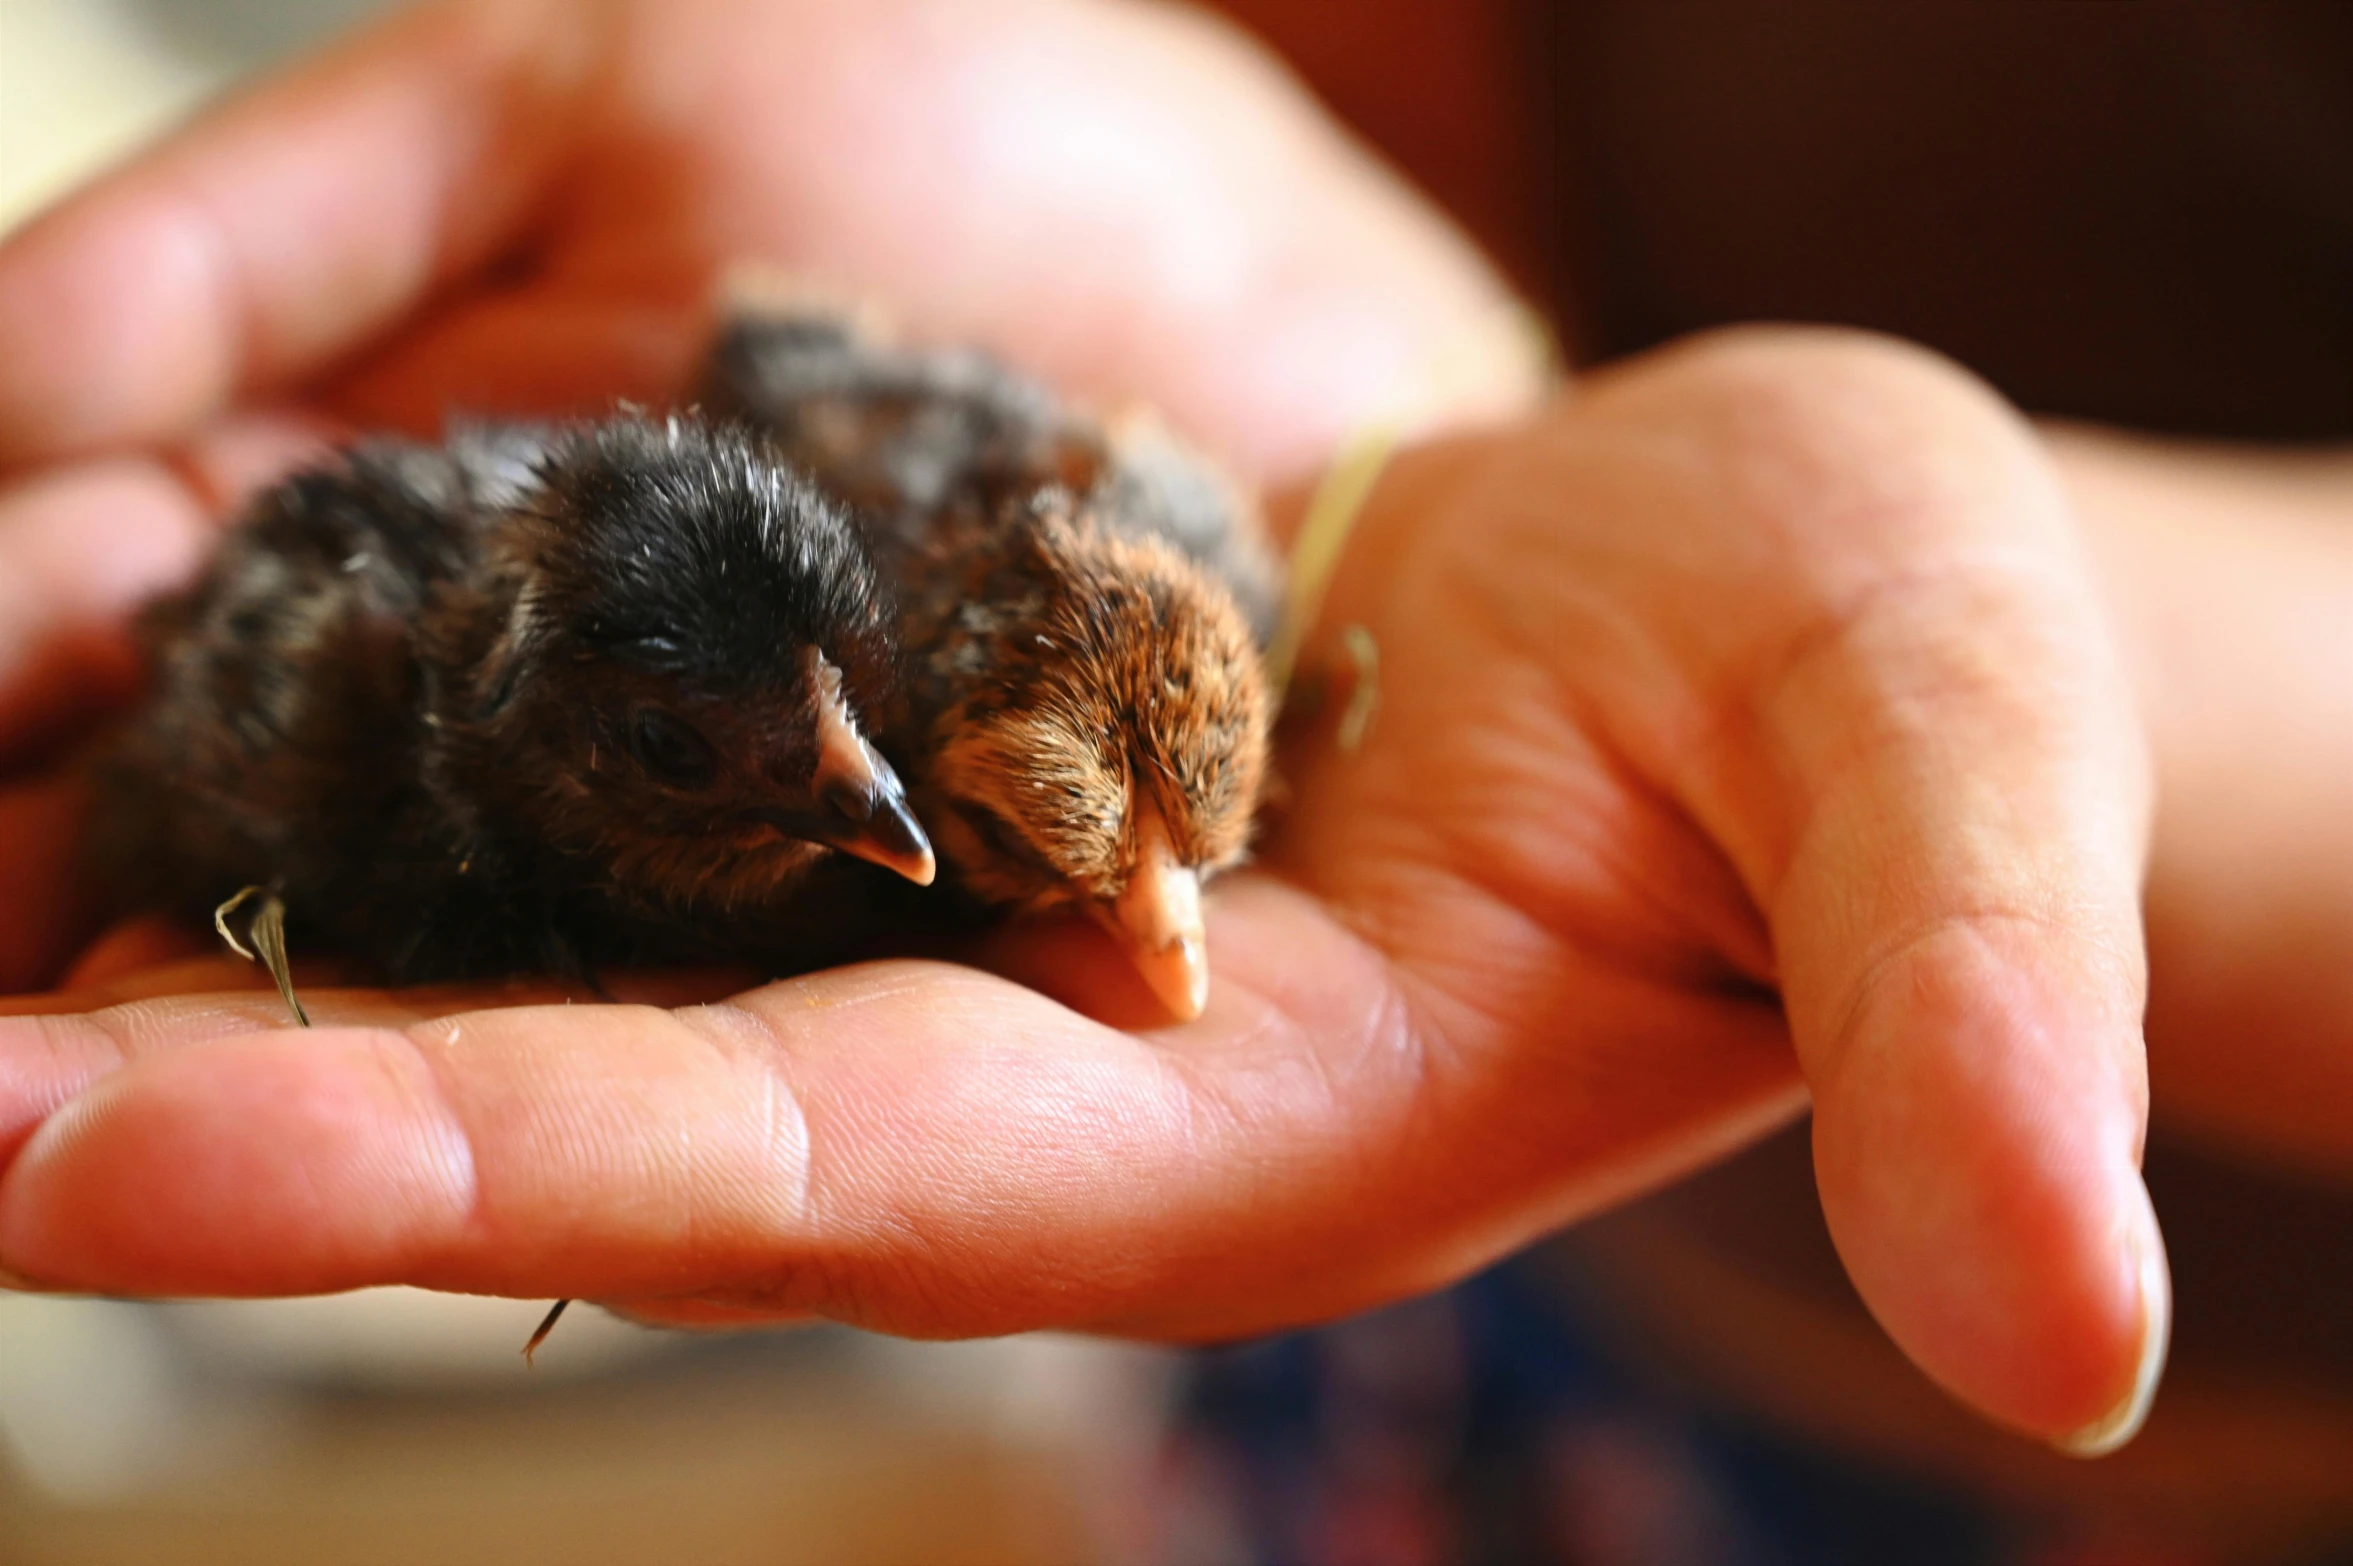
{"x": 1158, "y": 919}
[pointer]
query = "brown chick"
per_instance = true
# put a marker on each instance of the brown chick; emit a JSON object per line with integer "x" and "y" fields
{"x": 1087, "y": 717}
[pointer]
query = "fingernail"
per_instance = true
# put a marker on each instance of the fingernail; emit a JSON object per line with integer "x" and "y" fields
{"x": 2121, "y": 1423}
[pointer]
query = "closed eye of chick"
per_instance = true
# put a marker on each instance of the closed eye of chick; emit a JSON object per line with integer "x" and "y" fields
{"x": 537, "y": 699}
{"x": 1087, "y": 718}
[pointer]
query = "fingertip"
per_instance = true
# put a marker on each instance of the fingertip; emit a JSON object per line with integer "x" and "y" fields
{"x": 86, "y": 544}
{"x": 80, "y": 548}
{"x": 289, "y": 226}
{"x": 112, "y": 330}
{"x": 2115, "y": 1428}
{"x": 279, "y": 1162}
{"x": 228, "y": 463}
{"x": 1977, "y": 1151}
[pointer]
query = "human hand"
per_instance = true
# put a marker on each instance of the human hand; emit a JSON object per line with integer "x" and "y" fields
{"x": 493, "y": 206}
{"x": 1674, "y": 679}
{"x": 496, "y": 205}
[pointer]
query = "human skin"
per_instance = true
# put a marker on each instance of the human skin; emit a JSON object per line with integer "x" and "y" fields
{"x": 2229, "y": 569}
{"x": 1753, "y": 728}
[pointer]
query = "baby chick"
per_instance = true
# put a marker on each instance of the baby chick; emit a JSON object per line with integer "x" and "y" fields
{"x": 540, "y": 699}
{"x": 1087, "y": 716}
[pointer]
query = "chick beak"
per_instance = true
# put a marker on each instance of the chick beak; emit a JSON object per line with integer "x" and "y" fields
{"x": 1158, "y": 919}
{"x": 864, "y": 807}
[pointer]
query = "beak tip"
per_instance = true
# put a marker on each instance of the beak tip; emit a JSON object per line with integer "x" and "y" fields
{"x": 916, "y": 865}
{"x": 1157, "y": 916}
{"x": 1179, "y": 974}
{"x": 894, "y": 842}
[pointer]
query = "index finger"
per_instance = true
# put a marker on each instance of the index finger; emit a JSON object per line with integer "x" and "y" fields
{"x": 910, "y": 1146}
{"x": 286, "y": 227}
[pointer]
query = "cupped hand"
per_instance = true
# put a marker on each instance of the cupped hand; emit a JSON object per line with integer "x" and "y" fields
{"x": 527, "y": 206}
{"x": 1754, "y": 699}
{"x": 521, "y": 205}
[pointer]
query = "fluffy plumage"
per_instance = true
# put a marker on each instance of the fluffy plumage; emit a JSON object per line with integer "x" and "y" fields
{"x": 539, "y": 699}
{"x": 1087, "y": 717}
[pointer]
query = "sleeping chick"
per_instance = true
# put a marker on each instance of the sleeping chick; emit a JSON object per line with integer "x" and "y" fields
{"x": 1087, "y": 716}
{"x": 539, "y": 699}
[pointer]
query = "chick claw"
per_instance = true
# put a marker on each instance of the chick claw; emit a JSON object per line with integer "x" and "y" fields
{"x": 268, "y": 930}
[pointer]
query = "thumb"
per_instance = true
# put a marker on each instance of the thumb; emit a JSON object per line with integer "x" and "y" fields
{"x": 1939, "y": 795}
{"x": 1961, "y": 962}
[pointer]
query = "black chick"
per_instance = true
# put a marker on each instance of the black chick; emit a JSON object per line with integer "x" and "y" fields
{"x": 1088, "y": 715}
{"x": 541, "y": 699}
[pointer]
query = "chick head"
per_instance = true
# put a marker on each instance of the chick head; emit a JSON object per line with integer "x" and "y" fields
{"x": 679, "y": 663}
{"x": 1113, "y": 756}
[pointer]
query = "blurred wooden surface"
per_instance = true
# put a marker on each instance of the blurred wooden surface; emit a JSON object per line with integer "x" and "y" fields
{"x": 762, "y": 1459}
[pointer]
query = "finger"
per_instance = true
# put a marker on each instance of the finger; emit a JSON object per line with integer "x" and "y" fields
{"x": 1219, "y": 249}
{"x": 1934, "y": 782}
{"x": 1965, "y": 981}
{"x": 190, "y": 967}
{"x": 539, "y": 351}
{"x": 285, "y": 227}
{"x": 80, "y": 547}
{"x": 54, "y": 1047}
{"x": 47, "y": 1056}
{"x": 231, "y": 459}
{"x": 83, "y": 546}
{"x": 1136, "y": 205}
{"x": 905, "y": 1145}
